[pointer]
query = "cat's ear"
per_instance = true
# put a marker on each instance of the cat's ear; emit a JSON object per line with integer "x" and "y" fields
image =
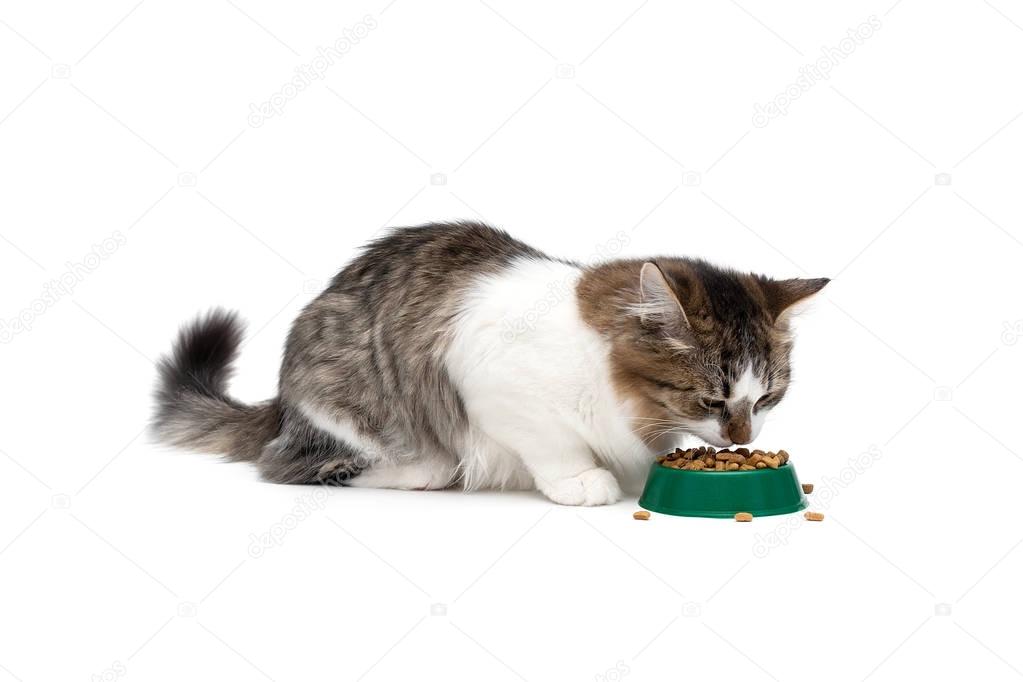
{"x": 659, "y": 303}
{"x": 783, "y": 294}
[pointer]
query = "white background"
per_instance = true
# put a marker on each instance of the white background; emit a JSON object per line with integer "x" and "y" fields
{"x": 567, "y": 124}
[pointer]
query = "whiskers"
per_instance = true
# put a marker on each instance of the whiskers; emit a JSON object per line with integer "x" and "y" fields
{"x": 655, "y": 428}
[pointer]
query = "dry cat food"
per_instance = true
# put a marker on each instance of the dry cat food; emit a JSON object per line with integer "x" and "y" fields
{"x": 744, "y": 517}
{"x": 807, "y": 488}
{"x": 813, "y": 516}
{"x": 708, "y": 459}
{"x": 641, "y": 515}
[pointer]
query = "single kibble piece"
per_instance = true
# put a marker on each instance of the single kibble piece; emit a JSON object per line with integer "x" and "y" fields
{"x": 732, "y": 466}
{"x": 746, "y": 467}
{"x": 744, "y": 517}
{"x": 813, "y": 516}
{"x": 761, "y": 465}
{"x": 772, "y": 462}
{"x": 719, "y": 466}
{"x": 807, "y": 488}
{"x": 641, "y": 515}
{"x": 742, "y": 451}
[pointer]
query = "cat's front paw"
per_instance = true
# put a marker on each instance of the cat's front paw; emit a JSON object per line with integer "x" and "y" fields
{"x": 590, "y": 488}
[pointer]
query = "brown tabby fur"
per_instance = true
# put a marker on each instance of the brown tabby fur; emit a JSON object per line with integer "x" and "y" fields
{"x": 674, "y": 367}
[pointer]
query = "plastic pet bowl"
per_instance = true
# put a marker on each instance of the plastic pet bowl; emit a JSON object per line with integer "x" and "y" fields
{"x": 722, "y": 494}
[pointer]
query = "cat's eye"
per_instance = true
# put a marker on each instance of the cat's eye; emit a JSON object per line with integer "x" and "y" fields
{"x": 712, "y": 405}
{"x": 762, "y": 403}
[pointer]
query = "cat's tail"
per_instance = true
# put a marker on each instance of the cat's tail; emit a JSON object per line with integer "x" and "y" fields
{"x": 193, "y": 409}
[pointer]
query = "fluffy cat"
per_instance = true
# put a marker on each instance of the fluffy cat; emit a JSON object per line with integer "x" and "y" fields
{"x": 439, "y": 358}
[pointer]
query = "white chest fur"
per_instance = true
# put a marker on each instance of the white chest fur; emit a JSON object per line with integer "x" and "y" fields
{"x": 536, "y": 380}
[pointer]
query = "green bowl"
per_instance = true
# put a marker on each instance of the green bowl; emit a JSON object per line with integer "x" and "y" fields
{"x": 723, "y": 494}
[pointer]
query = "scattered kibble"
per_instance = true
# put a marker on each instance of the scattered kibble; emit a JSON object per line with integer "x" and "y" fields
{"x": 744, "y": 517}
{"x": 813, "y": 516}
{"x": 641, "y": 515}
{"x": 807, "y": 488}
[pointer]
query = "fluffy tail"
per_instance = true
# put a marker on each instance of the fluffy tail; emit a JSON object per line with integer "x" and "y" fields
{"x": 193, "y": 409}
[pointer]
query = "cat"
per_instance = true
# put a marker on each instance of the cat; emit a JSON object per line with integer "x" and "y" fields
{"x": 439, "y": 358}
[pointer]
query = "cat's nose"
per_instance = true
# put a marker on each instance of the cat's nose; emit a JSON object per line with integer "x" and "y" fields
{"x": 739, "y": 432}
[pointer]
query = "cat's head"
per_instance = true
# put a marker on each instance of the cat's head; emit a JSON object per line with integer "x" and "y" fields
{"x": 695, "y": 348}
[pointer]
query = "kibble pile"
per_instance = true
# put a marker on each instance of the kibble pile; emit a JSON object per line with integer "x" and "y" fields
{"x": 709, "y": 459}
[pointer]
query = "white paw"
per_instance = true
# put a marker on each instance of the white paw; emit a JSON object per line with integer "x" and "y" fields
{"x": 590, "y": 488}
